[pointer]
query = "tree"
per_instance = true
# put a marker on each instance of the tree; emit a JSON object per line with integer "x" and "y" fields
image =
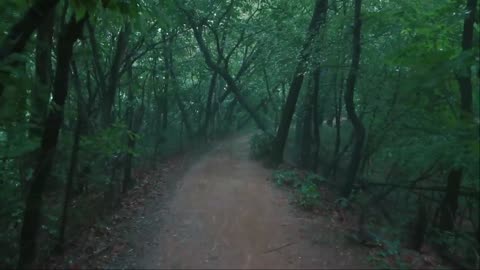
{"x": 68, "y": 37}
{"x": 359, "y": 129}
{"x": 318, "y": 18}
{"x": 454, "y": 179}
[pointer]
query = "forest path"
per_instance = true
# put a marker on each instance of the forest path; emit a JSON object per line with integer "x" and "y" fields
{"x": 224, "y": 213}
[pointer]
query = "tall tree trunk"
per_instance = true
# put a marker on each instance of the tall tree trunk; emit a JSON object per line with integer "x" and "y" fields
{"x": 450, "y": 202}
{"x": 135, "y": 120}
{"x": 358, "y": 128}
{"x": 127, "y": 172}
{"x": 43, "y": 73}
{"x": 318, "y": 18}
{"x": 97, "y": 66}
{"x": 208, "y": 108}
{"x": 33, "y": 205}
{"x": 114, "y": 78}
{"x": 306, "y": 134}
{"x": 338, "y": 125}
{"x": 166, "y": 85}
{"x": 180, "y": 104}
{"x": 317, "y": 119}
{"x": 73, "y": 160}
{"x": 419, "y": 227}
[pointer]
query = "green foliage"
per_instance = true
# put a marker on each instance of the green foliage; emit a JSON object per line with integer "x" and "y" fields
{"x": 288, "y": 178}
{"x": 108, "y": 142}
{"x": 307, "y": 195}
{"x": 407, "y": 96}
{"x": 261, "y": 145}
{"x": 315, "y": 178}
{"x": 305, "y": 186}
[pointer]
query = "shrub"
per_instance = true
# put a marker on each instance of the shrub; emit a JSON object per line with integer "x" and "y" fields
{"x": 261, "y": 145}
{"x": 307, "y": 195}
{"x": 286, "y": 178}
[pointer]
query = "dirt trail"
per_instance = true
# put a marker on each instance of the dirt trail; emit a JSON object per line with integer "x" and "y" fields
{"x": 224, "y": 213}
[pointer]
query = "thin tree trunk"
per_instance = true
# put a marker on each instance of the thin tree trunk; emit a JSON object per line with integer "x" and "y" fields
{"x": 222, "y": 71}
{"x": 43, "y": 73}
{"x": 127, "y": 172}
{"x": 316, "y": 120}
{"x": 31, "y": 216}
{"x": 73, "y": 161}
{"x": 338, "y": 126}
{"x": 306, "y": 141}
{"x": 420, "y": 226}
{"x": 166, "y": 57}
{"x": 180, "y": 104}
{"x": 208, "y": 108}
{"x": 114, "y": 78}
{"x": 450, "y": 202}
{"x": 318, "y": 18}
{"x": 358, "y": 128}
{"x": 100, "y": 74}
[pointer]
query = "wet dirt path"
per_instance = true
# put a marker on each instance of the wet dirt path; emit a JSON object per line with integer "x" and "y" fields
{"x": 224, "y": 213}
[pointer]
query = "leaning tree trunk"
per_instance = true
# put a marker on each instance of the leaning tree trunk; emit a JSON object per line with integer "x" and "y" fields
{"x": 358, "y": 128}
{"x": 450, "y": 202}
{"x": 222, "y": 70}
{"x": 318, "y": 18}
{"x": 33, "y": 205}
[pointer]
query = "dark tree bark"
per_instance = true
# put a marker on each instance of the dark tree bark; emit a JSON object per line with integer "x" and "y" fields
{"x": 317, "y": 119}
{"x": 166, "y": 85}
{"x": 450, "y": 202}
{"x": 43, "y": 73}
{"x": 222, "y": 70}
{"x": 208, "y": 108}
{"x": 97, "y": 66}
{"x": 134, "y": 119}
{"x": 81, "y": 120}
{"x": 180, "y": 104}
{"x": 306, "y": 134}
{"x": 338, "y": 114}
{"x": 31, "y": 216}
{"x": 358, "y": 128}
{"x": 127, "y": 170}
{"x": 20, "y": 32}
{"x": 419, "y": 226}
{"x": 318, "y": 18}
{"x": 114, "y": 78}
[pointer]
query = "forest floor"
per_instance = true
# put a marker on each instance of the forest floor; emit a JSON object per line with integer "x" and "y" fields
{"x": 217, "y": 210}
